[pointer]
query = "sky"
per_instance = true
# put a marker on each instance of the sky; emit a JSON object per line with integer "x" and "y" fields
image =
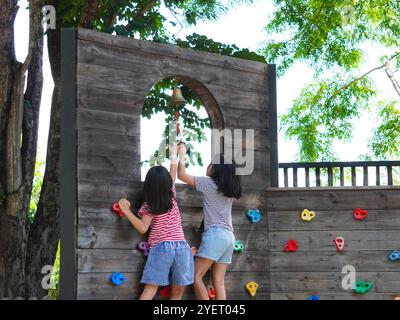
{"x": 243, "y": 26}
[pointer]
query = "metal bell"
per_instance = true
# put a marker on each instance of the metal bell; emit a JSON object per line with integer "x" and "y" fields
{"x": 177, "y": 97}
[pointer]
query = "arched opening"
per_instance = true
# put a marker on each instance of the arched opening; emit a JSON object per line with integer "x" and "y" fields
{"x": 195, "y": 119}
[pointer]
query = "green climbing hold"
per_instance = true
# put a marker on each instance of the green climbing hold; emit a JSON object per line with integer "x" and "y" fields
{"x": 362, "y": 287}
{"x": 239, "y": 246}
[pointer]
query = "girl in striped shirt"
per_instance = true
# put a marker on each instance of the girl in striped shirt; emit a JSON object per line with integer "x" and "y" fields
{"x": 170, "y": 260}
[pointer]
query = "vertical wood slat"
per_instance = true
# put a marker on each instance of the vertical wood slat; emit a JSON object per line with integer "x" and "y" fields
{"x": 286, "y": 179}
{"x": 353, "y": 176}
{"x": 295, "y": 177}
{"x": 307, "y": 170}
{"x": 365, "y": 178}
{"x": 390, "y": 175}
{"x": 342, "y": 176}
{"x": 378, "y": 175}
{"x": 318, "y": 176}
{"x": 330, "y": 176}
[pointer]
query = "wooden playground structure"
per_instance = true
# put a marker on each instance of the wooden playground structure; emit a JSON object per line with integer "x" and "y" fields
{"x": 106, "y": 79}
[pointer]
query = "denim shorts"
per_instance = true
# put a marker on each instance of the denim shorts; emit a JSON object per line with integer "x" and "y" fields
{"x": 217, "y": 244}
{"x": 169, "y": 262}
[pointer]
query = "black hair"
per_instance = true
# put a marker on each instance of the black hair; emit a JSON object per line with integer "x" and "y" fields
{"x": 223, "y": 173}
{"x": 157, "y": 190}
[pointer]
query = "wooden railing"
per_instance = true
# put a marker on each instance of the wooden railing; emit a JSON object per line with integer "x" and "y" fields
{"x": 326, "y": 173}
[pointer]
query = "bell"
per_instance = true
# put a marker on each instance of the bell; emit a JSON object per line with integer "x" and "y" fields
{"x": 177, "y": 97}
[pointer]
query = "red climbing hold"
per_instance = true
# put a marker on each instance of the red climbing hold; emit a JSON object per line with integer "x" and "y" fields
{"x": 291, "y": 246}
{"x": 211, "y": 293}
{"x": 339, "y": 243}
{"x": 165, "y": 292}
{"x": 360, "y": 214}
{"x": 116, "y": 209}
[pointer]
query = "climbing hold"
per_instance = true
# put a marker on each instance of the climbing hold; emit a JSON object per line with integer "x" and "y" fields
{"x": 394, "y": 255}
{"x": 211, "y": 292}
{"x": 116, "y": 209}
{"x": 254, "y": 215}
{"x": 194, "y": 250}
{"x": 252, "y": 288}
{"x": 144, "y": 247}
{"x": 117, "y": 278}
{"x": 165, "y": 292}
{"x": 360, "y": 214}
{"x": 313, "y": 297}
{"x": 362, "y": 286}
{"x": 339, "y": 243}
{"x": 307, "y": 215}
{"x": 239, "y": 246}
{"x": 291, "y": 246}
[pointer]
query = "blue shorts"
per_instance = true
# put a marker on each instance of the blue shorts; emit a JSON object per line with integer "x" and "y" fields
{"x": 217, "y": 244}
{"x": 169, "y": 262}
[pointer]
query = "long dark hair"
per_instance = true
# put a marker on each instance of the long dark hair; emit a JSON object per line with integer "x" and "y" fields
{"x": 157, "y": 190}
{"x": 224, "y": 175}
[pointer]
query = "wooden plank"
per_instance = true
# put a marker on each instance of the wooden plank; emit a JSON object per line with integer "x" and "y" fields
{"x": 331, "y": 282}
{"x": 224, "y": 62}
{"x": 325, "y": 261}
{"x": 104, "y": 99}
{"x": 106, "y": 167}
{"x": 307, "y": 177}
{"x": 330, "y": 177}
{"x": 323, "y": 240}
{"x": 97, "y": 285}
{"x": 295, "y": 177}
{"x": 334, "y": 220}
{"x": 107, "y": 190}
{"x": 365, "y": 174}
{"x": 125, "y": 237}
{"x": 161, "y": 66}
{"x": 318, "y": 176}
{"x": 110, "y": 260}
{"x": 286, "y": 178}
{"x": 98, "y": 142}
{"x": 390, "y": 175}
{"x": 378, "y": 175}
{"x": 98, "y": 213}
{"x": 353, "y": 176}
{"x": 333, "y": 198}
{"x": 334, "y": 296}
{"x": 128, "y": 125}
{"x": 341, "y": 176}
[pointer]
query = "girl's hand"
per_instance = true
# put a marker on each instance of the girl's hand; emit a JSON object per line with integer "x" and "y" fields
{"x": 124, "y": 205}
{"x": 182, "y": 150}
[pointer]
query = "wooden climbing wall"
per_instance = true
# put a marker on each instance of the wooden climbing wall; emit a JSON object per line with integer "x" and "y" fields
{"x": 113, "y": 77}
{"x": 316, "y": 268}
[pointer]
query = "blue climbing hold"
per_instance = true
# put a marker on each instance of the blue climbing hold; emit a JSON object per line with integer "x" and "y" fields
{"x": 117, "y": 278}
{"x": 313, "y": 297}
{"x": 394, "y": 255}
{"x": 254, "y": 215}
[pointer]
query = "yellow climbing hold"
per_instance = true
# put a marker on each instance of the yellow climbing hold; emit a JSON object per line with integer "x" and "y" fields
{"x": 307, "y": 215}
{"x": 252, "y": 288}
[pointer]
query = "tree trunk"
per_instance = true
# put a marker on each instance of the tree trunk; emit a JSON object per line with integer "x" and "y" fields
{"x": 16, "y": 171}
{"x": 45, "y": 230}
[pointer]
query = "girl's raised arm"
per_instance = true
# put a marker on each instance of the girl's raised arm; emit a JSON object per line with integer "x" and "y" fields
{"x": 182, "y": 175}
{"x": 141, "y": 225}
{"x": 173, "y": 150}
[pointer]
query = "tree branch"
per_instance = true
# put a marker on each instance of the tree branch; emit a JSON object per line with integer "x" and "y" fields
{"x": 391, "y": 77}
{"x": 364, "y": 75}
{"x": 89, "y": 14}
{"x": 35, "y": 32}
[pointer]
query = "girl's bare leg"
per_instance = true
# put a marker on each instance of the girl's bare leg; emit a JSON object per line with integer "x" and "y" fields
{"x": 149, "y": 292}
{"x": 218, "y": 280}
{"x": 201, "y": 267}
{"x": 177, "y": 292}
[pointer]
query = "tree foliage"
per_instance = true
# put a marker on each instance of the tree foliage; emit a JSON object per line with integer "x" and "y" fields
{"x": 331, "y": 37}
